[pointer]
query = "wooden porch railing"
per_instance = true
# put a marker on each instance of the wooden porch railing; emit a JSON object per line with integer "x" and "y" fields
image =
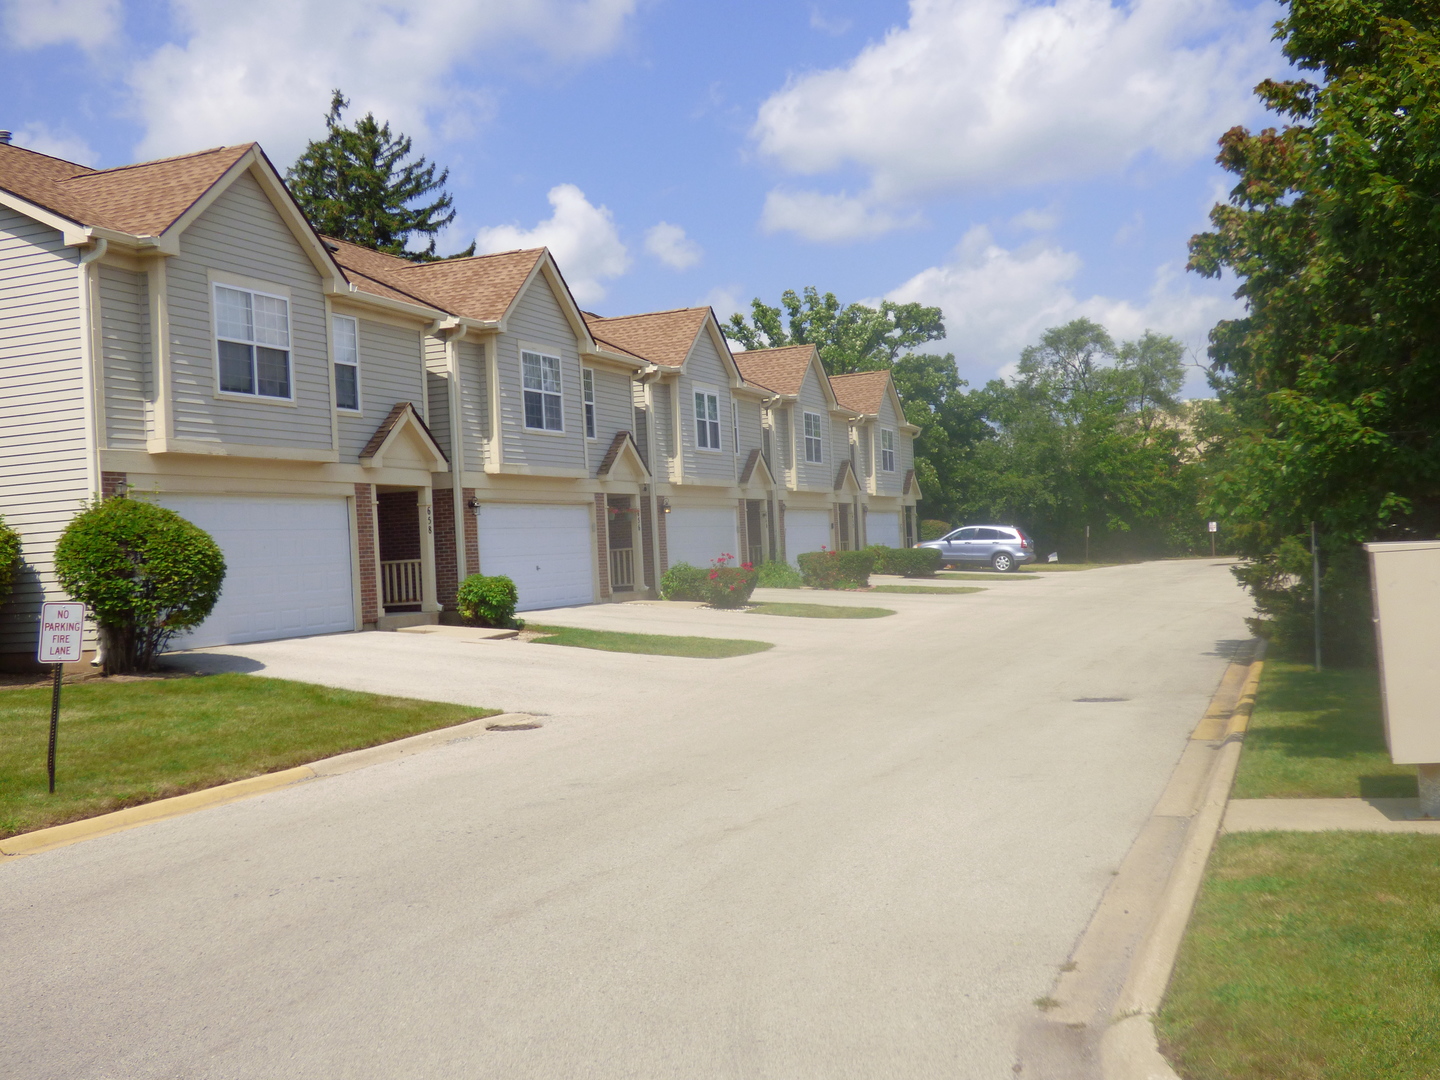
{"x": 400, "y": 582}
{"x": 622, "y": 568}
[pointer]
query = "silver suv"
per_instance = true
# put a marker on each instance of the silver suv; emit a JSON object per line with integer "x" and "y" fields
{"x": 1002, "y": 546}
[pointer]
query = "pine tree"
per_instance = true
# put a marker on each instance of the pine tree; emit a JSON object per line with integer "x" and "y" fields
{"x": 357, "y": 184}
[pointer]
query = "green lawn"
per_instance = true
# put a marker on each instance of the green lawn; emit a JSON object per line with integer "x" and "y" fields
{"x": 1063, "y": 567}
{"x": 125, "y": 743}
{"x": 1319, "y": 736}
{"x": 934, "y": 590}
{"x": 982, "y": 575}
{"x": 1311, "y": 956}
{"x": 820, "y": 611}
{"x": 653, "y": 644}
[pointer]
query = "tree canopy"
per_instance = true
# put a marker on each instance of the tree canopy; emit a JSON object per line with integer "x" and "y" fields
{"x": 360, "y": 184}
{"x": 1333, "y": 373}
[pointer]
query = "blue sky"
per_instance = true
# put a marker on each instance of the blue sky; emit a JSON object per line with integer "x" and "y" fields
{"x": 1018, "y": 163}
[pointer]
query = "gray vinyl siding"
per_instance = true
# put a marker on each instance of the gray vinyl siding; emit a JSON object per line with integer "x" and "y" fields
{"x": 241, "y": 233}
{"x": 125, "y": 342}
{"x": 437, "y": 394}
{"x": 750, "y": 438}
{"x": 784, "y": 442}
{"x": 662, "y": 430}
{"x": 389, "y": 374}
{"x": 613, "y": 411}
{"x": 539, "y": 321}
{"x": 892, "y": 483}
{"x": 474, "y": 402}
{"x": 43, "y": 480}
{"x": 641, "y": 431}
{"x": 814, "y": 477}
{"x": 705, "y": 369}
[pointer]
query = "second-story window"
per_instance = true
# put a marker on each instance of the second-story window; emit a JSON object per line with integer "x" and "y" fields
{"x": 887, "y": 450}
{"x": 252, "y": 333}
{"x": 543, "y": 403}
{"x": 346, "y": 332}
{"x": 707, "y": 420}
{"x": 587, "y": 386}
{"x": 735, "y": 425}
{"x": 814, "y": 438}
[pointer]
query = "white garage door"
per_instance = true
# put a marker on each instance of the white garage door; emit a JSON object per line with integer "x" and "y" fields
{"x": 883, "y": 528}
{"x": 699, "y": 537}
{"x": 806, "y": 530}
{"x": 545, "y": 550}
{"x": 287, "y": 566}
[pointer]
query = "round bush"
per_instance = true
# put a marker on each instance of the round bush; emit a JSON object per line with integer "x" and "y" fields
{"x": 836, "y": 569}
{"x": 9, "y": 559}
{"x": 729, "y": 586}
{"x": 930, "y": 529}
{"x": 487, "y": 601}
{"x": 685, "y": 582}
{"x": 145, "y": 573}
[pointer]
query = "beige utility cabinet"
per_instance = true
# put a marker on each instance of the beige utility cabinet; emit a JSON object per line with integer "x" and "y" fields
{"x": 1406, "y": 580}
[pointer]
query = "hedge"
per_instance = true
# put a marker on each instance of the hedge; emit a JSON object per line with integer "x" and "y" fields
{"x": 908, "y": 562}
{"x": 488, "y": 601}
{"x": 836, "y": 569}
{"x": 721, "y": 586}
{"x": 930, "y": 529}
{"x": 9, "y": 559}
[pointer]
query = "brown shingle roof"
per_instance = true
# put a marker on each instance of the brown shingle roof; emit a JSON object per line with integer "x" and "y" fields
{"x": 616, "y": 445}
{"x": 862, "y": 391}
{"x": 481, "y": 287}
{"x": 661, "y": 337}
{"x": 143, "y": 199}
{"x": 391, "y": 421}
{"x": 780, "y": 370}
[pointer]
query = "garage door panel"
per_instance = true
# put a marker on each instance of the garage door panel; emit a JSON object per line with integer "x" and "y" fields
{"x": 806, "y": 530}
{"x": 698, "y": 536}
{"x": 883, "y": 528}
{"x": 545, "y": 550}
{"x": 287, "y": 566}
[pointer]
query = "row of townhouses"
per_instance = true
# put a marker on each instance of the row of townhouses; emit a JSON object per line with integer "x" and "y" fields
{"x": 360, "y": 432}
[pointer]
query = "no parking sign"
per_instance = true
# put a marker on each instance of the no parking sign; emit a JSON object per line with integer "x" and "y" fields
{"x": 62, "y": 635}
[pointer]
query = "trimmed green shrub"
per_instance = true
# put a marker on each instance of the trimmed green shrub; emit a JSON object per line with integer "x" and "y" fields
{"x": 931, "y": 529}
{"x": 685, "y": 582}
{"x": 775, "y": 574}
{"x": 908, "y": 562}
{"x": 488, "y": 601}
{"x": 145, "y": 573}
{"x": 9, "y": 559}
{"x": 836, "y": 569}
{"x": 729, "y": 586}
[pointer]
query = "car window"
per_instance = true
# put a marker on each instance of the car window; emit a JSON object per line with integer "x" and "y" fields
{"x": 987, "y": 534}
{"x": 966, "y": 534}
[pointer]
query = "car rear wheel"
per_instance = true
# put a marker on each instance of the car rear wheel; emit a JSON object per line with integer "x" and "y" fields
{"x": 1003, "y": 561}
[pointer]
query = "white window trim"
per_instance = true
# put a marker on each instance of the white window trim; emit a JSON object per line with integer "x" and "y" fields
{"x": 806, "y": 437}
{"x": 558, "y": 357}
{"x": 587, "y": 398}
{"x": 359, "y": 390}
{"x": 893, "y": 451}
{"x": 273, "y": 292}
{"x": 708, "y": 392}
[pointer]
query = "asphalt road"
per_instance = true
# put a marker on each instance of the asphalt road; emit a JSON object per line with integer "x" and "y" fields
{"x": 861, "y": 854}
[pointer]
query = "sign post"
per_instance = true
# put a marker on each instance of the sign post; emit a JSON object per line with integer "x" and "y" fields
{"x": 1214, "y": 528}
{"x": 62, "y": 633}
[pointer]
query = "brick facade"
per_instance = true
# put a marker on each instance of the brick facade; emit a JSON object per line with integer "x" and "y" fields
{"x": 112, "y": 484}
{"x": 602, "y": 544}
{"x": 742, "y": 535}
{"x": 661, "y": 545}
{"x": 647, "y": 542}
{"x": 365, "y": 545}
{"x": 446, "y": 568}
{"x": 472, "y": 531}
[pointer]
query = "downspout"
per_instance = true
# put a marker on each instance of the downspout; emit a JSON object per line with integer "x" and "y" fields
{"x": 90, "y": 380}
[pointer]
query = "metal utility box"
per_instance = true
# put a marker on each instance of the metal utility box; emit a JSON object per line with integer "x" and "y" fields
{"x": 1406, "y": 585}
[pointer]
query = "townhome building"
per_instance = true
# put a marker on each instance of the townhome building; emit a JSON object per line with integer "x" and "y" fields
{"x": 882, "y": 448}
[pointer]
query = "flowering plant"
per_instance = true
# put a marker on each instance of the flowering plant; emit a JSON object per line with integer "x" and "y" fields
{"x": 730, "y": 586}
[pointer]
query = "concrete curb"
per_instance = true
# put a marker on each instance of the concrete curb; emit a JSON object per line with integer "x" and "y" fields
{"x": 73, "y": 832}
{"x": 1129, "y": 1049}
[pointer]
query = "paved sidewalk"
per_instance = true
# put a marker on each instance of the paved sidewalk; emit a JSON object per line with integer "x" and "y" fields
{"x": 1324, "y": 815}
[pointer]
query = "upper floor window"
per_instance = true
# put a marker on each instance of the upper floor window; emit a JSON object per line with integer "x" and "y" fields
{"x": 346, "y": 334}
{"x": 887, "y": 450}
{"x": 814, "y": 438}
{"x": 252, "y": 332}
{"x": 735, "y": 425}
{"x": 707, "y": 420}
{"x": 587, "y": 386}
{"x": 543, "y": 402}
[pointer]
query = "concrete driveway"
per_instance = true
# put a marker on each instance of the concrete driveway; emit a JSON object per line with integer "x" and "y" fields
{"x": 862, "y": 853}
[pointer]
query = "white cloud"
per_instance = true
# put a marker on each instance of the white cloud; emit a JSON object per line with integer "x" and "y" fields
{"x": 832, "y": 26}
{"x": 32, "y": 24}
{"x": 998, "y": 300}
{"x": 671, "y": 246}
{"x": 1034, "y": 220}
{"x": 61, "y": 144}
{"x": 580, "y": 235}
{"x": 984, "y": 94}
{"x": 264, "y": 69}
{"x": 828, "y": 218}
{"x": 726, "y": 301}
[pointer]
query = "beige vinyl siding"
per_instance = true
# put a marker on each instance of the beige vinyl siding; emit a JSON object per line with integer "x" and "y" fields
{"x": 750, "y": 438}
{"x": 840, "y": 440}
{"x": 437, "y": 393}
{"x": 43, "y": 480}
{"x": 474, "y": 402}
{"x": 662, "y": 430}
{"x": 814, "y": 477}
{"x": 784, "y": 442}
{"x": 125, "y": 342}
{"x": 613, "y": 412}
{"x": 389, "y": 373}
{"x": 539, "y": 322}
{"x": 892, "y": 483}
{"x": 704, "y": 369}
{"x": 642, "y": 421}
{"x": 242, "y": 233}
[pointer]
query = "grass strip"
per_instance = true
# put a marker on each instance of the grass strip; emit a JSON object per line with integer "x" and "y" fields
{"x": 1315, "y": 736}
{"x": 1065, "y": 568}
{"x": 126, "y": 743}
{"x": 933, "y": 590}
{"x": 820, "y": 611}
{"x": 1310, "y": 956}
{"x": 704, "y": 648}
{"x": 982, "y": 575}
